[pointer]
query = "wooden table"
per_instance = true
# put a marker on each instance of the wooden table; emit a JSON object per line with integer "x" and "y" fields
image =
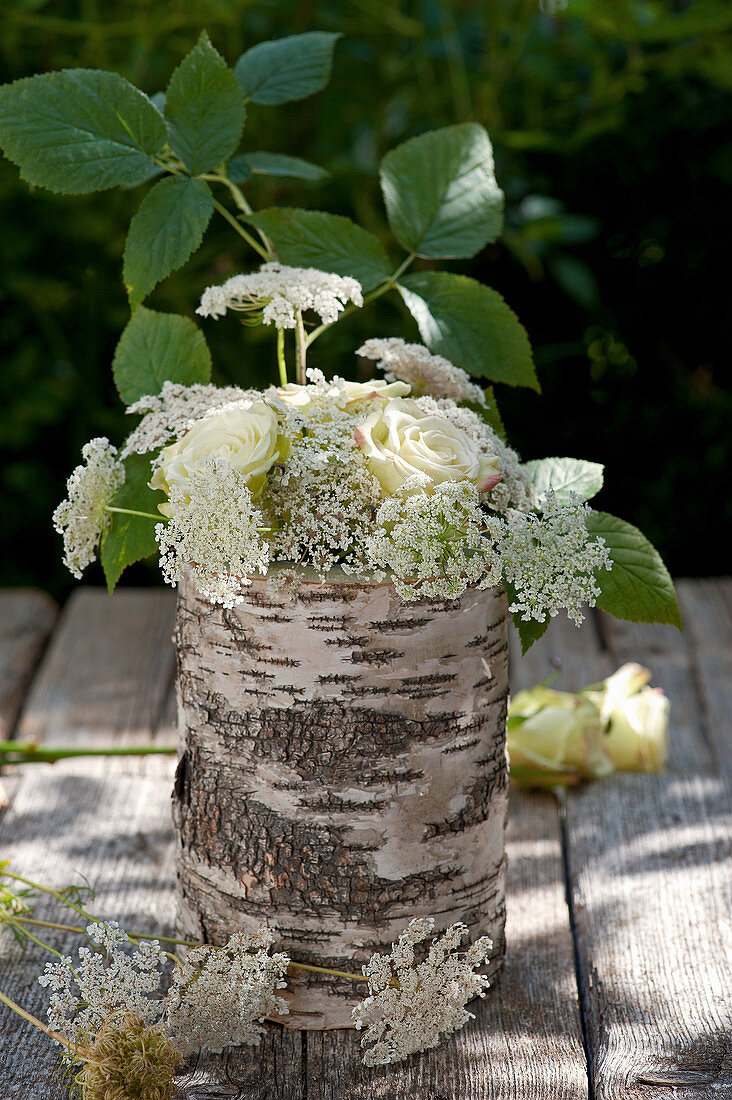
{"x": 616, "y": 983}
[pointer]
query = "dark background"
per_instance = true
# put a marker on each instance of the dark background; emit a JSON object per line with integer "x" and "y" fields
{"x": 610, "y": 125}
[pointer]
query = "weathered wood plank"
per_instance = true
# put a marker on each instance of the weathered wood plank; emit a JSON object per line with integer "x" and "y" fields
{"x": 706, "y": 606}
{"x": 106, "y": 675}
{"x": 648, "y": 860}
{"x": 526, "y": 1039}
{"x": 26, "y": 620}
{"x": 112, "y": 831}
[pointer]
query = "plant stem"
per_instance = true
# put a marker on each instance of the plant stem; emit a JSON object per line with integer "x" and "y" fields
{"x": 11, "y": 752}
{"x": 33, "y": 1020}
{"x": 13, "y": 922}
{"x": 241, "y": 202}
{"x": 130, "y": 512}
{"x": 47, "y": 890}
{"x": 377, "y": 292}
{"x": 281, "y": 361}
{"x": 137, "y": 936}
{"x": 242, "y": 231}
{"x": 301, "y": 346}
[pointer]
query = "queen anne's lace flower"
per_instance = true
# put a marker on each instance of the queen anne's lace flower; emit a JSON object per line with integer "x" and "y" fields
{"x": 436, "y": 544}
{"x": 281, "y": 293}
{"x": 411, "y": 1006}
{"x": 213, "y": 530}
{"x": 102, "y": 982}
{"x": 82, "y": 517}
{"x": 425, "y": 372}
{"x": 551, "y": 561}
{"x": 172, "y": 412}
{"x": 220, "y": 996}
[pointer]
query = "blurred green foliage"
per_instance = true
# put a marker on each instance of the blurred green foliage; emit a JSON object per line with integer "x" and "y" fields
{"x": 609, "y": 124}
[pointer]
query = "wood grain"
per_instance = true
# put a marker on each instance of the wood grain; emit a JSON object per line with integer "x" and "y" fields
{"x": 649, "y": 861}
{"x": 26, "y": 620}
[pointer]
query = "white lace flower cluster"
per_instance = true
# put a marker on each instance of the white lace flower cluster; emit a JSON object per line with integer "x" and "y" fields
{"x": 323, "y": 499}
{"x": 412, "y": 1005}
{"x": 105, "y": 980}
{"x": 170, "y": 413}
{"x": 281, "y": 293}
{"x": 217, "y": 997}
{"x": 425, "y": 372}
{"x": 220, "y": 996}
{"x": 435, "y": 544}
{"x": 214, "y": 530}
{"x": 82, "y": 517}
{"x": 551, "y": 561}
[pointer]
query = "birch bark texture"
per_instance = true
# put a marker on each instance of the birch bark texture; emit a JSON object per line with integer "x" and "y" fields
{"x": 342, "y": 769}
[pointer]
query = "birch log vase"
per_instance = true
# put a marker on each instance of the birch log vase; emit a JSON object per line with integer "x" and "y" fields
{"x": 342, "y": 770}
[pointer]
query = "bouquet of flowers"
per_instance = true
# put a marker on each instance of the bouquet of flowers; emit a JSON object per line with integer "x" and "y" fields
{"x": 404, "y": 475}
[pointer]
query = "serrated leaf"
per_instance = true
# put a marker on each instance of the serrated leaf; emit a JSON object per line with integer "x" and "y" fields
{"x": 273, "y": 164}
{"x": 80, "y": 130}
{"x": 167, "y": 228}
{"x": 205, "y": 109}
{"x": 130, "y": 538}
{"x": 529, "y": 631}
{"x": 440, "y": 191}
{"x": 288, "y": 68}
{"x": 565, "y": 476}
{"x": 330, "y": 242}
{"x": 638, "y": 587}
{"x": 156, "y": 348}
{"x": 471, "y": 325}
{"x": 441, "y": 194}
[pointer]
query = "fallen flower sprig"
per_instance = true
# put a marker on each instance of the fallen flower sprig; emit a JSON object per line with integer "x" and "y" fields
{"x": 30, "y": 752}
{"x": 560, "y": 738}
{"x": 123, "y": 1037}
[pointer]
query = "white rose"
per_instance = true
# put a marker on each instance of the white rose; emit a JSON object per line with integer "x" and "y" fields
{"x": 401, "y": 441}
{"x": 245, "y": 438}
{"x": 376, "y": 390}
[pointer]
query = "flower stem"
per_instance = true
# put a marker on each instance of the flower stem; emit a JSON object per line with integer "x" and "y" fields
{"x": 377, "y": 292}
{"x": 281, "y": 361}
{"x": 130, "y": 512}
{"x": 301, "y": 346}
{"x": 241, "y": 202}
{"x": 11, "y": 752}
{"x": 47, "y": 890}
{"x": 136, "y": 936}
{"x": 242, "y": 231}
{"x": 33, "y": 1020}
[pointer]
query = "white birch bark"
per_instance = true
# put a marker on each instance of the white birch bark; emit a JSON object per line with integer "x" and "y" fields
{"x": 342, "y": 770}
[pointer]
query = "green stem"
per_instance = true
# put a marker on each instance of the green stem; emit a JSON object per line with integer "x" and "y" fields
{"x": 33, "y": 1020}
{"x": 301, "y": 346}
{"x": 241, "y": 202}
{"x": 131, "y": 512}
{"x": 241, "y": 231}
{"x": 137, "y": 936}
{"x": 15, "y": 923}
{"x": 377, "y": 292}
{"x": 281, "y": 361}
{"x": 11, "y": 752}
{"x": 47, "y": 890}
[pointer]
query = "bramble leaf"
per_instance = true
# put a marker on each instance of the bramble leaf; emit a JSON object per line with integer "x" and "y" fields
{"x": 288, "y": 68}
{"x": 127, "y": 539}
{"x": 565, "y": 476}
{"x": 156, "y": 348}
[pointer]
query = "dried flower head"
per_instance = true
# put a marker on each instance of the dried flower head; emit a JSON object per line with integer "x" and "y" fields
{"x": 412, "y": 1005}
{"x": 281, "y": 293}
{"x": 82, "y": 517}
{"x": 425, "y": 372}
{"x": 220, "y": 996}
{"x": 127, "y": 1059}
{"x": 214, "y": 530}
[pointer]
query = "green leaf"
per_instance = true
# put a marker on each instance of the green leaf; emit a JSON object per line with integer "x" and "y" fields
{"x": 441, "y": 194}
{"x": 205, "y": 109}
{"x": 639, "y": 587}
{"x": 156, "y": 348}
{"x": 79, "y": 130}
{"x": 130, "y": 538}
{"x": 273, "y": 164}
{"x": 529, "y": 631}
{"x": 565, "y": 476}
{"x": 471, "y": 325}
{"x": 311, "y": 238}
{"x": 286, "y": 68}
{"x": 167, "y": 228}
